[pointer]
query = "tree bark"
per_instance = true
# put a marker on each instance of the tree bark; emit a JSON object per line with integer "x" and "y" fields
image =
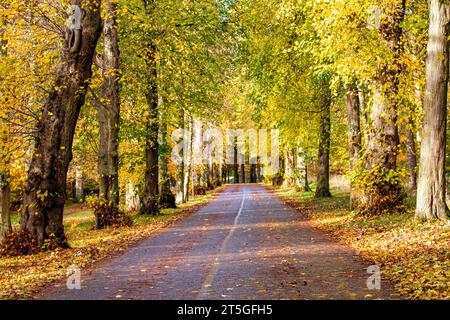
{"x": 290, "y": 168}
{"x": 354, "y": 125}
{"x": 323, "y": 161}
{"x": 5, "y": 203}
{"x": 150, "y": 201}
{"x": 167, "y": 198}
{"x": 109, "y": 121}
{"x": 253, "y": 173}
{"x": 259, "y": 175}
{"x": 5, "y": 156}
{"x": 384, "y": 192}
{"x": 180, "y": 196}
{"x": 236, "y": 161}
{"x": 188, "y": 174}
{"x": 431, "y": 186}
{"x": 301, "y": 174}
{"x": 132, "y": 199}
{"x": 412, "y": 155}
{"x": 354, "y": 132}
{"x": 79, "y": 191}
{"x": 45, "y": 190}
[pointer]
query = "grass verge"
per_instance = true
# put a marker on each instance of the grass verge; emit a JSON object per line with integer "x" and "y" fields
{"x": 22, "y": 277}
{"x": 413, "y": 254}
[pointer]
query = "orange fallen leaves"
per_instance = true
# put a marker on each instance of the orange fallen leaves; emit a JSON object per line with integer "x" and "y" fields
{"x": 414, "y": 255}
{"x": 21, "y": 277}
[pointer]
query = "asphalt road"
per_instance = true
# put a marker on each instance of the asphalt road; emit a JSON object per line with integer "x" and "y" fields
{"x": 246, "y": 244}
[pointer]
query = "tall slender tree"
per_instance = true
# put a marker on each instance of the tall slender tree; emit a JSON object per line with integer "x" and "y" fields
{"x": 354, "y": 130}
{"x": 109, "y": 120}
{"x": 323, "y": 157}
{"x": 150, "y": 201}
{"x": 167, "y": 198}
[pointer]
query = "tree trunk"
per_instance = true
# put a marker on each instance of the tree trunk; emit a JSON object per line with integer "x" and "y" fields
{"x": 132, "y": 199}
{"x": 236, "y": 162}
{"x": 384, "y": 192}
{"x": 354, "y": 132}
{"x": 253, "y": 178}
{"x": 79, "y": 191}
{"x": 151, "y": 194}
{"x": 431, "y": 181}
{"x": 5, "y": 203}
{"x": 109, "y": 121}
{"x": 354, "y": 125}
{"x": 5, "y": 194}
{"x": 188, "y": 174}
{"x": 301, "y": 173}
{"x": 180, "y": 196}
{"x": 259, "y": 175}
{"x": 364, "y": 114}
{"x": 45, "y": 190}
{"x": 167, "y": 198}
{"x": 323, "y": 161}
{"x": 290, "y": 168}
{"x": 412, "y": 155}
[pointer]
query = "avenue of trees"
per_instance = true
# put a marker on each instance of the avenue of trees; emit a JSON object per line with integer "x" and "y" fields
{"x": 93, "y": 91}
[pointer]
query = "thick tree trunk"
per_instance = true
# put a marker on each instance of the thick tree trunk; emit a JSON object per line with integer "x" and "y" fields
{"x": 323, "y": 160}
{"x": 109, "y": 121}
{"x": 383, "y": 138}
{"x": 150, "y": 201}
{"x": 354, "y": 132}
{"x": 431, "y": 181}
{"x": 384, "y": 192}
{"x": 45, "y": 190}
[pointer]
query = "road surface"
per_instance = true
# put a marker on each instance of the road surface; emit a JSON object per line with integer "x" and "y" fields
{"x": 245, "y": 244}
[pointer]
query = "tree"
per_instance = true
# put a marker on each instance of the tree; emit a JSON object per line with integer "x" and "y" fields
{"x": 354, "y": 129}
{"x": 412, "y": 154}
{"x": 45, "y": 190}
{"x": 5, "y": 192}
{"x": 381, "y": 189}
{"x": 150, "y": 201}
{"x": 167, "y": 198}
{"x": 109, "y": 121}
{"x": 302, "y": 183}
{"x": 431, "y": 188}
{"x": 323, "y": 157}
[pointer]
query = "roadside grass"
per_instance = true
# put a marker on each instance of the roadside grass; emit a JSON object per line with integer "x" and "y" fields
{"x": 413, "y": 254}
{"x": 22, "y": 277}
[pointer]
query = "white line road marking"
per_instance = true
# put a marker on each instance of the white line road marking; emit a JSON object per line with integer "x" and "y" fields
{"x": 213, "y": 272}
